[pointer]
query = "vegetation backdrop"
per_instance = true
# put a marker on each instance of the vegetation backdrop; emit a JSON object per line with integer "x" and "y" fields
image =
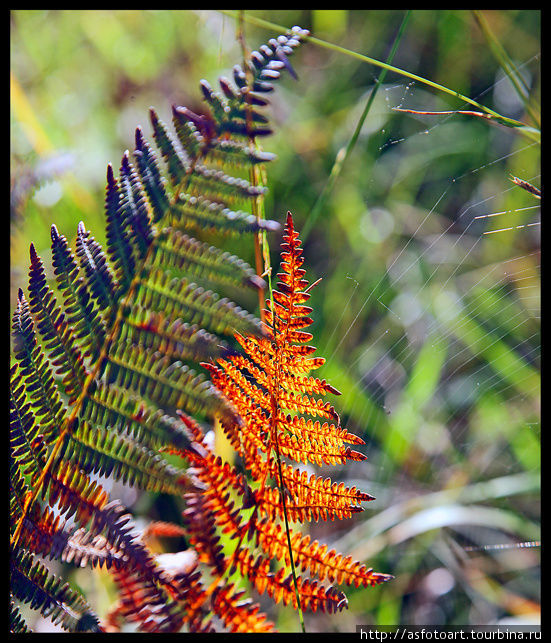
{"x": 428, "y": 311}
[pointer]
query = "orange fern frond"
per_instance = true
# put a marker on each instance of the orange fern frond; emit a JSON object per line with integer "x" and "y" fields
{"x": 239, "y": 615}
{"x": 280, "y": 414}
{"x": 270, "y": 386}
{"x": 314, "y": 557}
{"x": 279, "y": 585}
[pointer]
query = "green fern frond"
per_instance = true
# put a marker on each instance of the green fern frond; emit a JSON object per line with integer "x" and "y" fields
{"x": 178, "y": 297}
{"x": 172, "y": 337}
{"x": 81, "y": 313}
{"x": 26, "y": 443}
{"x": 101, "y": 451}
{"x": 98, "y": 272}
{"x": 119, "y": 410}
{"x": 56, "y": 333}
{"x": 198, "y": 213}
{"x": 119, "y": 245}
{"x": 36, "y": 372}
{"x": 185, "y": 255}
{"x": 135, "y": 207}
{"x": 19, "y": 491}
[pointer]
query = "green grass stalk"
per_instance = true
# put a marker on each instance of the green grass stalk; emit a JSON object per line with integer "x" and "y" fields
{"x": 508, "y": 66}
{"x": 344, "y": 153}
{"x": 527, "y": 131}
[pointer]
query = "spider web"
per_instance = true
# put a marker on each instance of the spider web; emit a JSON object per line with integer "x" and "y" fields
{"x": 444, "y": 352}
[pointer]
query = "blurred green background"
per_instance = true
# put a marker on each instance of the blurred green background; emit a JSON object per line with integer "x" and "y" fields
{"x": 429, "y": 324}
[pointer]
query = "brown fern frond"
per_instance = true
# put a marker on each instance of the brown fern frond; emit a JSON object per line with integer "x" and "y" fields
{"x": 46, "y": 534}
{"x": 139, "y": 603}
{"x": 85, "y": 499}
{"x": 84, "y": 549}
{"x": 201, "y": 532}
{"x": 152, "y": 608}
{"x": 43, "y": 532}
{"x": 164, "y": 529}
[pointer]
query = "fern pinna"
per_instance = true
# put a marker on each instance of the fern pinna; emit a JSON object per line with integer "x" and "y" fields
{"x": 104, "y": 376}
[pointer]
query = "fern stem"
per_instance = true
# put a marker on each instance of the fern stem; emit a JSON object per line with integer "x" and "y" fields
{"x": 280, "y": 484}
{"x": 525, "y": 130}
{"x": 31, "y": 497}
{"x": 254, "y": 179}
{"x": 287, "y": 532}
{"x": 344, "y": 153}
{"x": 257, "y": 212}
